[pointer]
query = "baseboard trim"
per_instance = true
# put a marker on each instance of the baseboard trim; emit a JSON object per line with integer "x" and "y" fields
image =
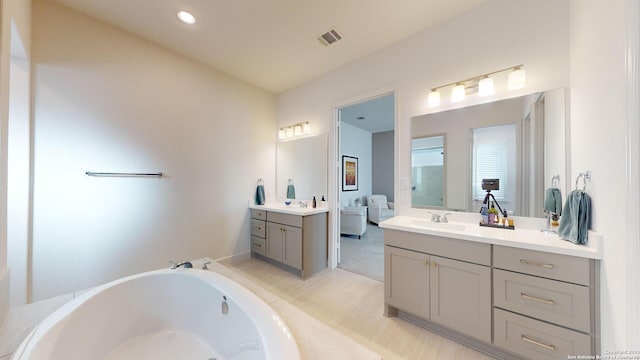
{"x": 477, "y": 345}
{"x": 236, "y": 258}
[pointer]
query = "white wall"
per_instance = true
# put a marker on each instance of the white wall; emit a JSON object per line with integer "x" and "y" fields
{"x": 108, "y": 101}
{"x": 598, "y": 125}
{"x": 356, "y": 142}
{"x": 495, "y": 35}
{"x": 19, "y": 179}
{"x": 16, "y": 25}
{"x": 382, "y": 167}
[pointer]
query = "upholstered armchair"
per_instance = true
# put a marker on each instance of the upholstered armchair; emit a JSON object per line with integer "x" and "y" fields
{"x": 379, "y": 208}
{"x": 353, "y": 220}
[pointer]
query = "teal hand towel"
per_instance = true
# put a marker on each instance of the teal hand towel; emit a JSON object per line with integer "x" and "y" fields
{"x": 553, "y": 201}
{"x": 576, "y": 220}
{"x": 291, "y": 192}
{"x": 260, "y": 195}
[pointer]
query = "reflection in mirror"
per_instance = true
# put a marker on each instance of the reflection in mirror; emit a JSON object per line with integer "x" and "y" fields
{"x": 304, "y": 161}
{"x": 427, "y": 172}
{"x": 494, "y": 157}
{"x": 535, "y": 153}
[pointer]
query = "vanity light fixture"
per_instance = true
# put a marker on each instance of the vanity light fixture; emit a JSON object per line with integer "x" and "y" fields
{"x": 290, "y": 131}
{"x": 434, "y": 98}
{"x": 186, "y": 17}
{"x": 517, "y": 78}
{"x": 483, "y": 84}
{"x": 458, "y": 93}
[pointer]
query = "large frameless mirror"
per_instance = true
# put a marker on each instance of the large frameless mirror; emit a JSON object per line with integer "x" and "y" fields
{"x": 521, "y": 141}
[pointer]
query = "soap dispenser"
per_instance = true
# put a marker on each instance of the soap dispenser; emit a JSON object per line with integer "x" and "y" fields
{"x": 313, "y": 202}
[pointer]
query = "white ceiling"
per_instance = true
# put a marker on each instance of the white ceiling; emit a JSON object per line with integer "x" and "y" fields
{"x": 272, "y": 43}
{"x": 374, "y": 115}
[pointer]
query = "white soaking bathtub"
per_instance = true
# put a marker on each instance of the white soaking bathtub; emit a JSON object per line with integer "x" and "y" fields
{"x": 181, "y": 314}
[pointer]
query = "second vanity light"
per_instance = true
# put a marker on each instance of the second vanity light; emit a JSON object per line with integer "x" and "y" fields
{"x": 516, "y": 80}
{"x": 298, "y": 129}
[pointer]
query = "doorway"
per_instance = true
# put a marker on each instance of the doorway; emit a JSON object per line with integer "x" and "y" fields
{"x": 366, "y": 166}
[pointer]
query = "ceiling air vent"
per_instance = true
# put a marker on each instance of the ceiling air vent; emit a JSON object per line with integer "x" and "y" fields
{"x": 329, "y": 37}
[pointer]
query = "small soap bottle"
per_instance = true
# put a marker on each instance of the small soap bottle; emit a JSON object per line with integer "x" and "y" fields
{"x": 313, "y": 202}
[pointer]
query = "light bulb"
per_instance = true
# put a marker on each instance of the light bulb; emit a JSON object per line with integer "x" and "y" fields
{"x": 306, "y": 128}
{"x": 281, "y": 134}
{"x": 289, "y": 132}
{"x": 457, "y": 93}
{"x": 517, "y": 79}
{"x": 186, "y": 17}
{"x": 297, "y": 130}
{"x": 434, "y": 98}
{"x": 485, "y": 87}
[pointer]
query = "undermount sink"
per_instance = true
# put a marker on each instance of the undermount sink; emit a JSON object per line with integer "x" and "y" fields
{"x": 437, "y": 226}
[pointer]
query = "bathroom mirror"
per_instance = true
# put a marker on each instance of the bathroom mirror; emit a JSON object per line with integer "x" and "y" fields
{"x": 524, "y": 137}
{"x": 304, "y": 161}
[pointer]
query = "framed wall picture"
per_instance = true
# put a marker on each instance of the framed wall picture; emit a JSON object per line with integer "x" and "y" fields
{"x": 349, "y": 173}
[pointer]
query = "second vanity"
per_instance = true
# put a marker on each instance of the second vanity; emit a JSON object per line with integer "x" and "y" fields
{"x": 510, "y": 293}
{"x": 290, "y": 236}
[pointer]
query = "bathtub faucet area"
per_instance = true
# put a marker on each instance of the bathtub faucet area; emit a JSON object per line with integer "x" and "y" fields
{"x": 184, "y": 264}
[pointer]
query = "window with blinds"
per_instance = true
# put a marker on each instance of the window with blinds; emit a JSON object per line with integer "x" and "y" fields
{"x": 491, "y": 148}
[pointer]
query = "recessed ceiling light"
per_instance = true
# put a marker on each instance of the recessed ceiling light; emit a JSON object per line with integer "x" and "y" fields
{"x": 186, "y": 17}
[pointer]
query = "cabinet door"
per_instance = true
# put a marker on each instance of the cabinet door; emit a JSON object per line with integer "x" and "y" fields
{"x": 292, "y": 255}
{"x": 461, "y": 296}
{"x": 275, "y": 241}
{"x": 406, "y": 280}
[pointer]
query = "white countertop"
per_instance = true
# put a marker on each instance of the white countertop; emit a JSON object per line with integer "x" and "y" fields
{"x": 293, "y": 209}
{"x": 519, "y": 238}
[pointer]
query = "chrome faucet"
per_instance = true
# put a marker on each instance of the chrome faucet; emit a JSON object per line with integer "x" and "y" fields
{"x": 184, "y": 264}
{"x": 444, "y": 218}
{"x": 302, "y": 204}
{"x": 435, "y": 217}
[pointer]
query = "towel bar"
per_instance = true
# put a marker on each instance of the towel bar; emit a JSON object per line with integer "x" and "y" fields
{"x": 122, "y": 174}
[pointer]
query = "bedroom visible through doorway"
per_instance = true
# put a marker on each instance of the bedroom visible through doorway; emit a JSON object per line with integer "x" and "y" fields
{"x": 366, "y": 188}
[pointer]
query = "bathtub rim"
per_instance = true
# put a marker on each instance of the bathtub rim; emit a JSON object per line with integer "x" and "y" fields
{"x": 277, "y": 339}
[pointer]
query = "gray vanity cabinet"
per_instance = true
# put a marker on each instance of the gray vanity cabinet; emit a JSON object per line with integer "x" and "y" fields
{"x": 284, "y": 244}
{"x": 546, "y": 305}
{"x": 423, "y": 278}
{"x": 461, "y": 296}
{"x": 407, "y": 280}
{"x": 297, "y": 242}
{"x": 510, "y": 302}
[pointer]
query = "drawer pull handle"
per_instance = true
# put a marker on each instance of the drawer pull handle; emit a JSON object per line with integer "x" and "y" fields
{"x": 533, "y": 263}
{"x": 435, "y": 264}
{"x": 257, "y": 245}
{"x": 538, "y": 343}
{"x": 426, "y": 262}
{"x": 534, "y": 298}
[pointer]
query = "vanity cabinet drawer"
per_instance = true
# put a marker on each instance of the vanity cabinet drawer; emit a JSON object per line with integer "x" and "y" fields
{"x": 549, "y": 300}
{"x": 285, "y": 219}
{"x": 553, "y": 266}
{"x": 258, "y": 228}
{"x": 258, "y": 214}
{"x": 258, "y": 245}
{"x": 535, "y": 339}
